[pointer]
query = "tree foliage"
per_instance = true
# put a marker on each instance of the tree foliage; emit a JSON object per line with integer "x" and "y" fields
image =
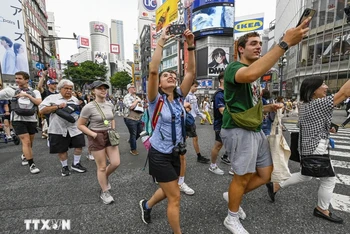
{"x": 86, "y": 72}
{"x": 120, "y": 80}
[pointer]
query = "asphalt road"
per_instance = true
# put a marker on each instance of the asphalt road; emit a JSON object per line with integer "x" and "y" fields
{"x": 48, "y": 195}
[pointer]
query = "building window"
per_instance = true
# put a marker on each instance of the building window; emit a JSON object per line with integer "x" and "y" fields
{"x": 50, "y": 28}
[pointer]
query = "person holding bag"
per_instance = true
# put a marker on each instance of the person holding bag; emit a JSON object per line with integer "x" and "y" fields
{"x": 167, "y": 140}
{"x": 315, "y": 115}
{"x": 102, "y": 137}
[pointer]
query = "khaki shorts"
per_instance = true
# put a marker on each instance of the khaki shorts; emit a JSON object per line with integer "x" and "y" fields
{"x": 100, "y": 142}
{"x": 247, "y": 150}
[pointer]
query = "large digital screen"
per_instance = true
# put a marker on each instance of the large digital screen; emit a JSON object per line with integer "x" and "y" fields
{"x": 215, "y": 18}
{"x": 199, "y": 3}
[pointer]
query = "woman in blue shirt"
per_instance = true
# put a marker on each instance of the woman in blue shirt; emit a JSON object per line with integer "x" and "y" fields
{"x": 164, "y": 162}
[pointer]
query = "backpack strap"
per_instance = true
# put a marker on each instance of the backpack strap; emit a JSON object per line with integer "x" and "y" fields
{"x": 157, "y": 112}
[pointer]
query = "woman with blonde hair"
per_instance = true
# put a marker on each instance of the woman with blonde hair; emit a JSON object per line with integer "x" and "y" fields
{"x": 101, "y": 116}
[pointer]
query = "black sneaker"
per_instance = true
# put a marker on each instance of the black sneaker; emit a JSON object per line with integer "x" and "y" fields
{"x": 145, "y": 213}
{"x": 78, "y": 167}
{"x": 224, "y": 159}
{"x": 202, "y": 159}
{"x": 65, "y": 171}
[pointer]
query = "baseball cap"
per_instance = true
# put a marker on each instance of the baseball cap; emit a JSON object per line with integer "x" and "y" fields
{"x": 129, "y": 86}
{"x": 98, "y": 83}
{"x": 51, "y": 82}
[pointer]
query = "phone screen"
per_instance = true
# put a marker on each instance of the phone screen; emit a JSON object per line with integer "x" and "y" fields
{"x": 306, "y": 14}
{"x": 177, "y": 29}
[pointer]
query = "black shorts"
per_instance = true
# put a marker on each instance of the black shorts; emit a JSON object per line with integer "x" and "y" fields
{"x": 5, "y": 117}
{"x": 217, "y": 136}
{"x": 191, "y": 131}
{"x": 61, "y": 144}
{"x": 163, "y": 167}
{"x": 22, "y": 127}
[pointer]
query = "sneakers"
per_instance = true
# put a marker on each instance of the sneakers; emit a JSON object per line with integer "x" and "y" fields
{"x": 234, "y": 225}
{"x": 65, "y": 171}
{"x": 225, "y": 159}
{"x": 78, "y": 167}
{"x": 202, "y": 159}
{"x": 24, "y": 160}
{"x": 90, "y": 157}
{"x": 145, "y": 213}
{"x": 106, "y": 197}
{"x": 231, "y": 172}
{"x": 33, "y": 169}
{"x": 187, "y": 190}
{"x": 216, "y": 170}
{"x": 241, "y": 214}
{"x": 134, "y": 152}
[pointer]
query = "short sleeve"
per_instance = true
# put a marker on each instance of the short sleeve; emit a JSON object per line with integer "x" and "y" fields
{"x": 86, "y": 112}
{"x": 46, "y": 102}
{"x": 37, "y": 94}
{"x": 219, "y": 100}
{"x": 231, "y": 71}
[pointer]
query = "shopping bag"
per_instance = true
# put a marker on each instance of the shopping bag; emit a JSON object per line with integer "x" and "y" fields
{"x": 280, "y": 151}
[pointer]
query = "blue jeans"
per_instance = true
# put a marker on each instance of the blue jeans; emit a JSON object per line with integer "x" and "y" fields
{"x": 135, "y": 128}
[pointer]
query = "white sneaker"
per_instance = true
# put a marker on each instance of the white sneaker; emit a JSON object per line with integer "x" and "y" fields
{"x": 106, "y": 197}
{"x": 241, "y": 214}
{"x": 231, "y": 172}
{"x": 234, "y": 225}
{"x": 187, "y": 190}
{"x": 216, "y": 170}
{"x": 90, "y": 157}
{"x": 33, "y": 169}
{"x": 24, "y": 160}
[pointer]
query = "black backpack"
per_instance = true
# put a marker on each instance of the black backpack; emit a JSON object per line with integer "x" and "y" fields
{"x": 15, "y": 106}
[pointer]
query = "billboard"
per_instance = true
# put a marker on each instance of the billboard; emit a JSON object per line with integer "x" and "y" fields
{"x": 213, "y": 19}
{"x": 248, "y": 23}
{"x": 115, "y": 49}
{"x": 97, "y": 27}
{"x": 205, "y": 84}
{"x": 198, "y": 3}
{"x": 166, "y": 14}
{"x": 218, "y": 59}
{"x": 100, "y": 58}
{"x": 147, "y": 9}
{"x": 83, "y": 42}
{"x": 13, "y": 49}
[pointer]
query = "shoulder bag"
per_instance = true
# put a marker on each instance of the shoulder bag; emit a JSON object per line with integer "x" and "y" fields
{"x": 113, "y": 135}
{"x": 315, "y": 165}
{"x": 250, "y": 119}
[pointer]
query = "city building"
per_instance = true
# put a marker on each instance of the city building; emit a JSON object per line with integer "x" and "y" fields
{"x": 84, "y": 54}
{"x": 117, "y": 39}
{"x": 323, "y": 52}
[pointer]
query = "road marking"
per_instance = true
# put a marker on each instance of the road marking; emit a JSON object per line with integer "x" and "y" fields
{"x": 341, "y": 164}
{"x": 341, "y": 202}
{"x": 343, "y": 179}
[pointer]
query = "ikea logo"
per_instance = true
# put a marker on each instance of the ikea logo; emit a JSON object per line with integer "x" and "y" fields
{"x": 249, "y": 25}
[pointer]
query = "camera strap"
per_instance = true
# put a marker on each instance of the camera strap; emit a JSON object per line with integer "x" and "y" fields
{"x": 173, "y": 128}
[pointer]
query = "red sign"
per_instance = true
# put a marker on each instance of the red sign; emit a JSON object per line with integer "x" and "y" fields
{"x": 115, "y": 49}
{"x": 83, "y": 42}
{"x": 52, "y": 73}
{"x": 153, "y": 36}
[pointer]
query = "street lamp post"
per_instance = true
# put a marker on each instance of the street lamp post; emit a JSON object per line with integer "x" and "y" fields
{"x": 45, "y": 38}
{"x": 281, "y": 63}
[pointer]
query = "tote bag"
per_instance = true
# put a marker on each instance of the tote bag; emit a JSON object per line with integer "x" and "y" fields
{"x": 280, "y": 151}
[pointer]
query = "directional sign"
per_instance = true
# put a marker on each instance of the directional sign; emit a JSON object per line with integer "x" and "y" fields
{"x": 39, "y": 66}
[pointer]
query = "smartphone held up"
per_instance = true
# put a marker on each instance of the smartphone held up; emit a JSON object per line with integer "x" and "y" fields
{"x": 308, "y": 12}
{"x": 177, "y": 29}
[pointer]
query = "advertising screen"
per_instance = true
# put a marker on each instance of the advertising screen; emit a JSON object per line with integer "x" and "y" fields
{"x": 166, "y": 14}
{"x": 215, "y": 18}
{"x": 199, "y": 3}
{"x": 218, "y": 59}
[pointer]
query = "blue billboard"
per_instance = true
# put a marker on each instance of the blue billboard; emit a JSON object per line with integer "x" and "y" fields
{"x": 213, "y": 17}
{"x": 198, "y": 3}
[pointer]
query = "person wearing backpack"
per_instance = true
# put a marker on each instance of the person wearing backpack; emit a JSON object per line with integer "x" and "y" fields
{"x": 24, "y": 118}
{"x": 167, "y": 140}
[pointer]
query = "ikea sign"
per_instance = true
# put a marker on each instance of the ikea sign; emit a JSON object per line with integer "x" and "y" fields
{"x": 249, "y": 25}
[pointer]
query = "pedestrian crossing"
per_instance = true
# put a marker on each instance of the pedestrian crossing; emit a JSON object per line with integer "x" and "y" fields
{"x": 340, "y": 159}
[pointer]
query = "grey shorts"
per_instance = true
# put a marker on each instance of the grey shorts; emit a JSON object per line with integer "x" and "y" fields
{"x": 247, "y": 150}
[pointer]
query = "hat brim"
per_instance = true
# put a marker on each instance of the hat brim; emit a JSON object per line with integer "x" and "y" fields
{"x": 106, "y": 85}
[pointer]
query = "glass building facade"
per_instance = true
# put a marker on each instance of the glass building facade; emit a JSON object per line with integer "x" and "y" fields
{"x": 324, "y": 52}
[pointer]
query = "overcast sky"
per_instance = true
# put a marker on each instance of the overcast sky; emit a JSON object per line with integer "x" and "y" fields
{"x": 75, "y": 15}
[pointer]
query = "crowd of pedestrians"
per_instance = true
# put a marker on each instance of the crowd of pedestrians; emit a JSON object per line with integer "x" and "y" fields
{"x": 242, "y": 113}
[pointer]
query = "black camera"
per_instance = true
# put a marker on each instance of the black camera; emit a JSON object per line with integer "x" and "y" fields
{"x": 180, "y": 149}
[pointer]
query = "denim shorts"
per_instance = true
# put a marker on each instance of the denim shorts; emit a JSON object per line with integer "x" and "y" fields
{"x": 247, "y": 150}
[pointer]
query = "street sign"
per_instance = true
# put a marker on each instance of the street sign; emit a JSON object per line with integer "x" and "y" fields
{"x": 39, "y": 66}
{"x": 39, "y": 73}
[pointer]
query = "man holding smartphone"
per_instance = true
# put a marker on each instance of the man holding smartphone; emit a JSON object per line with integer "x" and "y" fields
{"x": 251, "y": 163}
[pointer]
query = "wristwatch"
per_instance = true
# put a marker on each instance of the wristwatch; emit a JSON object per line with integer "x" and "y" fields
{"x": 283, "y": 45}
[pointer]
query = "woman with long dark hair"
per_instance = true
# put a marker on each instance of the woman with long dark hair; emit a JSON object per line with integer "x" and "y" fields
{"x": 315, "y": 115}
{"x": 165, "y": 152}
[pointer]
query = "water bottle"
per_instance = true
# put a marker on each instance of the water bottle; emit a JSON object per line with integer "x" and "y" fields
{"x": 144, "y": 136}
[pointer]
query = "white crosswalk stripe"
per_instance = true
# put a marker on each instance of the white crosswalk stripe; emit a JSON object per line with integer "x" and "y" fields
{"x": 341, "y": 152}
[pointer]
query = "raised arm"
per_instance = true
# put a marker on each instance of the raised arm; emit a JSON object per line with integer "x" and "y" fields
{"x": 191, "y": 65}
{"x": 342, "y": 94}
{"x": 153, "y": 81}
{"x": 41, "y": 81}
{"x": 250, "y": 74}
